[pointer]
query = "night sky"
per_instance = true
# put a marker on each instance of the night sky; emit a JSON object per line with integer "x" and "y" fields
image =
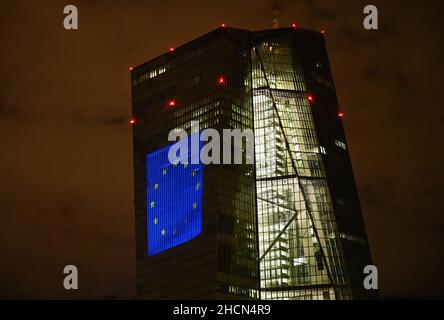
{"x": 66, "y": 154}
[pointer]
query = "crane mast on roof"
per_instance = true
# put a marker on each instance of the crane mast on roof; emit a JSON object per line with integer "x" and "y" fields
{"x": 275, "y": 9}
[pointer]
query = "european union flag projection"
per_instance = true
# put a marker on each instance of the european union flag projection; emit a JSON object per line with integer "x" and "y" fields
{"x": 174, "y": 200}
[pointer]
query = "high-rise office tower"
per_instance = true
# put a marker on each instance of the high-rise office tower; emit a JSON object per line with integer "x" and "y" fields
{"x": 288, "y": 226}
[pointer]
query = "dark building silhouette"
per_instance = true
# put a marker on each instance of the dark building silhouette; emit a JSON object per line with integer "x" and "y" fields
{"x": 288, "y": 226}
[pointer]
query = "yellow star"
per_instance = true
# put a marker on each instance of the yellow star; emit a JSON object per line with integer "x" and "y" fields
{"x": 194, "y": 205}
{"x": 176, "y": 163}
{"x": 164, "y": 171}
{"x": 152, "y": 204}
{"x": 185, "y": 165}
{"x": 193, "y": 173}
{"x": 156, "y": 186}
{"x": 198, "y": 186}
{"x": 156, "y": 220}
{"x": 163, "y": 232}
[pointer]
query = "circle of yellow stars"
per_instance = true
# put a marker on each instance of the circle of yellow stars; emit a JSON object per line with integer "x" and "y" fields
{"x": 156, "y": 187}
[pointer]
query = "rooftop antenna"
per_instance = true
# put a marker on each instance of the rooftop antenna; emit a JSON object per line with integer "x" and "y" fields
{"x": 275, "y": 9}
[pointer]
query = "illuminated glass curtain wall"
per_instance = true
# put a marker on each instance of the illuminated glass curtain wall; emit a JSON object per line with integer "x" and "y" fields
{"x": 300, "y": 256}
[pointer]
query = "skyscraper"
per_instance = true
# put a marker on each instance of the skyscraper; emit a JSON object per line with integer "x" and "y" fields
{"x": 288, "y": 226}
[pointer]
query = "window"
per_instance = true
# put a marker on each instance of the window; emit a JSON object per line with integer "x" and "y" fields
{"x": 341, "y": 144}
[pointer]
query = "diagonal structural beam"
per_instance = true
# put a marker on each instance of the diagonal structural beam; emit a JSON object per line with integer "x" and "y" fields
{"x": 293, "y": 217}
{"x": 287, "y": 144}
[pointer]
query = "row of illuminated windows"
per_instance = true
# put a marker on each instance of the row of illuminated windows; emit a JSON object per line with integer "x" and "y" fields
{"x": 180, "y": 61}
{"x": 279, "y": 212}
{"x": 315, "y": 190}
{"x": 205, "y": 104}
{"x": 304, "y": 147}
{"x": 277, "y": 83}
{"x": 303, "y": 279}
{"x": 298, "y": 246}
{"x": 309, "y": 273}
{"x": 267, "y": 111}
{"x": 301, "y": 294}
{"x": 352, "y": 238}
{"x": 308, "y": 134}
{"x": 272, "y": 224}
{"x": 274, "y": 259}
{"x": 201, "y": 114}
{"x": 310, "y": 167}
{"x": 267, "y": 144}
{"x": 273, "y": 268}
{"x": 149, "y": 75}
{"x": 341, "y": 144}
{"x": 280, "y": 72}
{"x": 273, "y": 227}
{"x": 306, "y": 168}
{"x": 228, "y": 288}
{"x": 196, "y": 109}
{"x": 261, "y": 151}
{"x": 204, "y": 123}
{"x": 276, "y": 55}
{"x": 287, "y": 111}
{"x": 292, "y": 119}
{"x": 282, "y": 96}
{"x": 275, "y": 150}
{"x": 275, "y": 273}
{"x": 183, "y": 68}
{"x": 265, "y": 94}
{"x": 295, "y": 120}
{"x": 241, "y": 119}
{"x": 273, "y": 57}
{"x": 276, "y": 156}
{"x": 272, "y": 61}
{"x": 273, "y": 219}
{"x": 240, "y": 110}
{"x": 288, "y": 119}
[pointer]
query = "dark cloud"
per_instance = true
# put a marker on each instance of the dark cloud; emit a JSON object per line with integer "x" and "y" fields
{"x": 319, "y": 11}
{"x": 403, "y": 82}
{"x": 371, "y": 73}
{"x": 8, "y": 111}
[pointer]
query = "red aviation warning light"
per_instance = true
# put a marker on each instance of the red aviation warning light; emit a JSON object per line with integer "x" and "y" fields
{"x": 172, "y": 103}
{"x": 221, "y": 80}
{"x": 133, "y": 121}
{"x": 310, "y": 98}
{"x": 172, "y": 49}
{"x": 131, "y": 69}
{"x": 294, "y": 25}
{"x": 340, "y": 114}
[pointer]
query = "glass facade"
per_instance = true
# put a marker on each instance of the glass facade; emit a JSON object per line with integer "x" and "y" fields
{"x": 300, "y": 257}
{"x": 174, "y": 199}
{"x": 288, "y": 226}
{"x": 221, "y": 260}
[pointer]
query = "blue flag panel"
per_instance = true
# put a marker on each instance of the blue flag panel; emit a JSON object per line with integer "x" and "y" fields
{"x": 174, "y": 200}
